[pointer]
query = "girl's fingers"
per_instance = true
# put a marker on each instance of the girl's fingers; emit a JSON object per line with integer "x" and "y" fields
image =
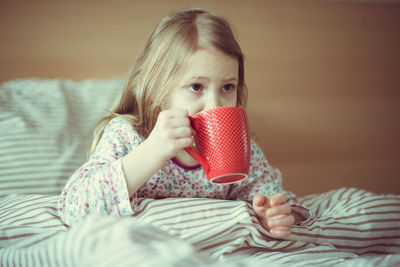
{"x": 181, "y": 132}
{"x": 184, "y": 142}
{"x": 172, "y": 113}
{"x": 274, "y": 214}
{"x": 278, "y": 199}
{"x": 282, "y": 209}
{"x": 260, "y": 205}
{"x": 177, "y": 122}
{"x": 259, "y": 201}
{"x": 281, "y": 221}
{"x": 281, "y": 232}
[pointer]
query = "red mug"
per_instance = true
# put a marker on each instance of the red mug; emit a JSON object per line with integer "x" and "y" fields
{"x": 223, "y": 143}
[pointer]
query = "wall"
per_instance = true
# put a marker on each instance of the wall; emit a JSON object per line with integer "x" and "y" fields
{"x": 323, "y": 76}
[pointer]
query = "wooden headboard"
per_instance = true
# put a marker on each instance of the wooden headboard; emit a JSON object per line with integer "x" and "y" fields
{"x": 323, "y": 76}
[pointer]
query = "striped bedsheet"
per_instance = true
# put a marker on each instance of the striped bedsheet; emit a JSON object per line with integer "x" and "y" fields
{"x": 349, "y": 227}
{"x": 46, "y": 127}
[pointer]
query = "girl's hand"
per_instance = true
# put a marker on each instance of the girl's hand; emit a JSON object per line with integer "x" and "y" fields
{"x": 274, "y": 214}
{"x": 171, "y": 133}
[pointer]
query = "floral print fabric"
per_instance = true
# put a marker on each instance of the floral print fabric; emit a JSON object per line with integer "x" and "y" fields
{"x": 99, "y": 185}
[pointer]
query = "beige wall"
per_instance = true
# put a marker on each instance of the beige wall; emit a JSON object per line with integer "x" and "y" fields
{"x": 323, "y": 76}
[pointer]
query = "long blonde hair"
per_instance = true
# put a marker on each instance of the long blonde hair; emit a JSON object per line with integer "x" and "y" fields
{"x": 175, "y": 38}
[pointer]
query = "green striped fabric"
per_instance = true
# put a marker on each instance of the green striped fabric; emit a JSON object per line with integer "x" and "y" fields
{"x": 350, "y": 227}
{"x": 46, "y": 127}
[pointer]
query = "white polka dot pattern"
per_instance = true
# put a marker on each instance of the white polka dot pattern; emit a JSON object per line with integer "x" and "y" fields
{"x": 222, "y": 138}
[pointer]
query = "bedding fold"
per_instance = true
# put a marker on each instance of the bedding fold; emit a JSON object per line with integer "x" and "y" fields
{"x": 202, "y": 232}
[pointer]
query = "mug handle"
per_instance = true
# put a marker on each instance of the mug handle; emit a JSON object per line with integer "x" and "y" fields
{"x": 199, "y": 158}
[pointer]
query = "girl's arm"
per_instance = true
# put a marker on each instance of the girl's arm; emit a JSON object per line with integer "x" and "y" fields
{"x": 99, "y": 185}
{"x": 139, "y": 165}
{"x": 120, "y": 165}
{"x": 171, "y": 134}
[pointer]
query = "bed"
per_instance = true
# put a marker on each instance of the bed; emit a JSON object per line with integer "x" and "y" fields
{"x": 45, "y": 129}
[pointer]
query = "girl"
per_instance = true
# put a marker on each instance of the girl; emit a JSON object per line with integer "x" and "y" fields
{"x": 190, "y": 63}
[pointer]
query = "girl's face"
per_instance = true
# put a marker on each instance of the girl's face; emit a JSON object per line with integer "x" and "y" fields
{"x": 207, "y": 79}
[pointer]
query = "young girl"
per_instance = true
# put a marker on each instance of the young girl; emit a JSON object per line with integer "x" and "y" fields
{"x": 191, "y": 63}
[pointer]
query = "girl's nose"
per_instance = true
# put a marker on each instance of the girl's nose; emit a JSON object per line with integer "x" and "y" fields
{"x": 213, "y": 101}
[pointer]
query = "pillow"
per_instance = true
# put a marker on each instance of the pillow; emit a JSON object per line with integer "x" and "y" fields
{"x": 46, "y": 128}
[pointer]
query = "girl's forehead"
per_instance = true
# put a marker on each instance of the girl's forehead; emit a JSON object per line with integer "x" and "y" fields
{"x": 209, "y": 52}
{"x": 209, "y": 60}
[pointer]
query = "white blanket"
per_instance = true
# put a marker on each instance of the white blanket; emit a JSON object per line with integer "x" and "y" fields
{"x": 180, "y": 232}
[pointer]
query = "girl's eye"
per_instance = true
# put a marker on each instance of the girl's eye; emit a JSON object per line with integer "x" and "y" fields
{"x": 195, "y": 87}
{"x": 228, "y": 88}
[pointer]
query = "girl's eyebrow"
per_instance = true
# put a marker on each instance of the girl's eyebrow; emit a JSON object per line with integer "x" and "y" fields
{"x": 200, "y": 78}
{"x": 231, "y": 79}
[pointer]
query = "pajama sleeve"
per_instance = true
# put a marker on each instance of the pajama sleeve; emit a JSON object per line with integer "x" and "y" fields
{"x": 264, "y": 180}
{"x": 99, "y": 185}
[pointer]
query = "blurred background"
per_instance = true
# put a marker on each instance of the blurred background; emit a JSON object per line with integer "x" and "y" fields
{"x": 323, "y": 76}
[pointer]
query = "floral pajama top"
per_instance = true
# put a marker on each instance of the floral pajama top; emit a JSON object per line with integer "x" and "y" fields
{"x": 99, "y": 185}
